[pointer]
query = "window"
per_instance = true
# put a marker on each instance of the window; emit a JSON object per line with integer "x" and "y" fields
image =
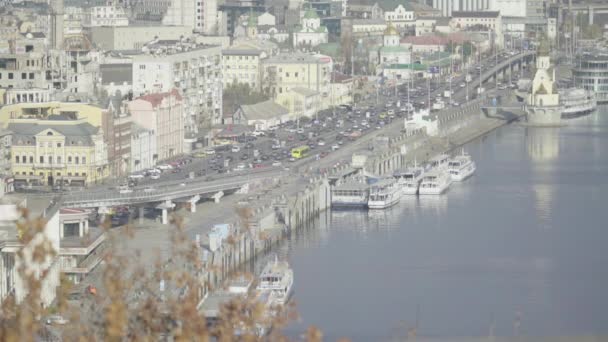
{"x": 84, "y": 159}
{"x": 50, "y": 159}
{"x": 142, "y": 67}
{"x": 58, "y": 144}
{"x": 16, "y": 159}
{"x": 23, "y": 159}
{"x": 69, "y": 159}
{"x": 31, "y": 159}
{"x": 23, "y": 75}
{"x": 10, "y": 75}
{"x": 31, "y": 76}
{"x": 296, "y": 74}
{"x": 286, "y": 74}
{"x": 29, "y": 48}
{"x": 76, "y": 159}
{"x": 41, "y": 159}
{"x": 59, "y": 160}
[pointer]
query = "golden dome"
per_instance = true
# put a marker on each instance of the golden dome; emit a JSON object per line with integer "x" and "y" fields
{"x": 391, "y": 30}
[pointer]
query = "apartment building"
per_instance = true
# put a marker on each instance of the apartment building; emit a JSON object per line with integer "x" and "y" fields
{"x": 243, "y": 66}
{"x": 162, "y": 113}
{"x": 193, "y": 69}
{"x": 285, "y": 72}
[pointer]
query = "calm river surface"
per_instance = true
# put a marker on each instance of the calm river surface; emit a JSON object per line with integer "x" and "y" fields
{"x": 520, "y": 246}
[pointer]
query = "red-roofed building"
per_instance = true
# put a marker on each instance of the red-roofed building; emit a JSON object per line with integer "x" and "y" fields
{"x": 426, "y": 43}
{"x": 162, "y": 113}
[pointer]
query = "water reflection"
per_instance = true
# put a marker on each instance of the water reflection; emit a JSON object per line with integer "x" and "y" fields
{"x": 542, "y": 143}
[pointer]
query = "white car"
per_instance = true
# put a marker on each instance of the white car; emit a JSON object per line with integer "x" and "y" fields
{"x": 335, "y": 147}
{"x": 391, "y": 112}
{"x": 137, "y": 176}
{"x": 235, "y": 149}
{"x": 276, "y": 163}
{"x": 57, "y": 319}
{"x": 258, "y": 133}
{"x": 167, "y": 166}
{"x": 209, "y": 151}
{"x": 300, "y": 130}
{"x": 321, "y": 143}
{"x": 124, "y": 189}
{"x": 155, "y": 176}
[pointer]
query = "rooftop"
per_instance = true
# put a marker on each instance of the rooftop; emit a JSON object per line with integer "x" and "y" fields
{"x": 157, "y": 98}
{"x": 241, "y": 52}
{"x": 475, "y": 14}
{"x": 263, "y": 110}
{"x": 81, "y": 131}
{"x": 296, "y": 57}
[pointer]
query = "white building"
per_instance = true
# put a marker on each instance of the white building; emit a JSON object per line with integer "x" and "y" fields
{"x": 12, "y": 282}
{"x": 312, "y": 33}
{"x": 448, "y": 6}
{"x": 266, "y": 19}
{"x": 509, "y": 8}
{"x": 401, "y": 16}
{"x": 200, "y": 15}
{"x": 106, "y": 16}
{"x": 196, "y": 70}
{"x": 143, "y": 148}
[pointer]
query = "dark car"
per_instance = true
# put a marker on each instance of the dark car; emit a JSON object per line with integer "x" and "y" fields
{"x": 244, "y": 157}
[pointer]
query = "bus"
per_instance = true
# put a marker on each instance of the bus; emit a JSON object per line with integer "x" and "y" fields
{"x": 300, "y": 152}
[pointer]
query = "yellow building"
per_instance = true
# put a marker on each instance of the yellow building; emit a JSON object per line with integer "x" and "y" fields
{"x": 284, "y": 72}
{"x": 43, "y": 110}
{"x": 49, "y": 152}
{"x": 243, "y": 66}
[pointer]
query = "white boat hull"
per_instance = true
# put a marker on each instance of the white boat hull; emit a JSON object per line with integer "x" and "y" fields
{"x": 382, "y": 204}
{"x": 433, "y": 191}
{"x": 406, "y": 190}
{"x": 464, "y": 173}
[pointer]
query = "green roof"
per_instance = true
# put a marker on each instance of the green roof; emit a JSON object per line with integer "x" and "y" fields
{"x": 390, "y": 5}
{"x": 414, "y": 66}
{"x": 311, "y": 14}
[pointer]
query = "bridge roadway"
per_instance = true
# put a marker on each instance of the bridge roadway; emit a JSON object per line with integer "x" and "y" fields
{"x": 166, "y": 191}
{"x": 189, "y": 188}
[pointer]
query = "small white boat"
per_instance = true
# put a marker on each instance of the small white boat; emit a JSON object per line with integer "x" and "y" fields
{"x": 384, "y": 194}
{"x": 409, "y": 180}
{"x": 461, "y": 167}
{"x": 435, "y": 182}
{"x": 276, "y": 282}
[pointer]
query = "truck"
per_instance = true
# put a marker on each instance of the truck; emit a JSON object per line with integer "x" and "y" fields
{"x": 447, "y": 94}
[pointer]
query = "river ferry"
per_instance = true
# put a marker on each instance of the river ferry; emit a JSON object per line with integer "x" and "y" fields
{"x": 276, "y": 283}
{"x": 350, "y": 195}
{"x": 409, "y": 180}
{"x": 461, "y": 167}
{"x": 384, "y": 194}
{"x": 435, "y": 182}
{"x": 438, "y": 162}
{"x": 576, "y": 102}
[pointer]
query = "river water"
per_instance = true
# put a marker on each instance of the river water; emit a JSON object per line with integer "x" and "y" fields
{"x": 518, "y": 249}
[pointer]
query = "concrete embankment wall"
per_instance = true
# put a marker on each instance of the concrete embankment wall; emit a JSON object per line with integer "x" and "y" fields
{"x": 269, "y": 222}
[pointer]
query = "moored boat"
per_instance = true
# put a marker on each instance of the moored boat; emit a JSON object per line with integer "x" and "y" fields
{"x": 461, "y": 167}
{"x": 384, "y": 194}
{"x": 435, "y": 182}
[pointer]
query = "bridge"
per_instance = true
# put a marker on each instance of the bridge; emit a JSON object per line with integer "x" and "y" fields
{"x": 163, "y": 195}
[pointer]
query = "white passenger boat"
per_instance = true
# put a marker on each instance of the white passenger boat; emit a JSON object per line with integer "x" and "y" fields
{"x": 409, "y": 180}
{"x": 276, "y": 282}
{"x": 461, "y": 167}
{"x": 384, "y": 194}
{"x": 350, "y": 195}
{"x": 438, "y": 162}
{"x": 577, "y": 102}
{"x": 435, "y": 182}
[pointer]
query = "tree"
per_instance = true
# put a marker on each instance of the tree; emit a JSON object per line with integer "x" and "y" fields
{"x": 236, "y": 94}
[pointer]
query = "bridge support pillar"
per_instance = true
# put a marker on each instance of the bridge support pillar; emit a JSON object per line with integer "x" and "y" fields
{"x": 164, "y": 216}
{"x": 140, "y": 214}
{"x": 590, "y": 10}
{"x": 217, "y": 196}
{"x": 193, "y": 201}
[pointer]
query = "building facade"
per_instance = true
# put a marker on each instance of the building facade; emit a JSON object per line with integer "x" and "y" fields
{"x": 448, "y": 6}
{"x": 106, "y": 16}
{"x": 285, "y": 72}
{"x": 311, "y": 33}
{"x": 143, "y": 148}
{"x": 195, "y": 70}
{"x": 162, "y": 113}
{"x": 57, "y": 152}
{"x": 243, "y": 66}
{"x": 591, "y": 73}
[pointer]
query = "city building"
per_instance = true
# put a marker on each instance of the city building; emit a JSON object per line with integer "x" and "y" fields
{"x": 162, "y": 113}
{"x": 17, "y": 258}
{"x": 81, "y": 247}
{"x": 261, "y": 115}
{"x": 134, "y": 37}
{"x": 5, "y": 150}
{"x": 143, "y": 148}
{"x": 105, "y": 16}
{"x": 116, "y": 126}
{"x": 296, "y": 70}
{"x": 57, "y": 151}
{"x": 194, "y": 69}
{"x": 368, "y": 27}
{"x": 301, "y": 102}
{"x": 479, "y": 20}
{"x": 311, "y": 33}
{"x": 243, "y": 66}
{"x": 199, "y": 15}
{"x": 543, "y": 106}
{"x": 400, "y": 14}
{"x": 426, "y": 43}
{"x": 428, "y": 25}
{"x": 74, "y": 110}
{"x": 392, "y": 54}
{"x": 447, "y": 7}
{"x": 24, "y": 63}
{"x": 510, "y": 8}
{"x": 278, "y": 34}
{"x": 591, "y": 73}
